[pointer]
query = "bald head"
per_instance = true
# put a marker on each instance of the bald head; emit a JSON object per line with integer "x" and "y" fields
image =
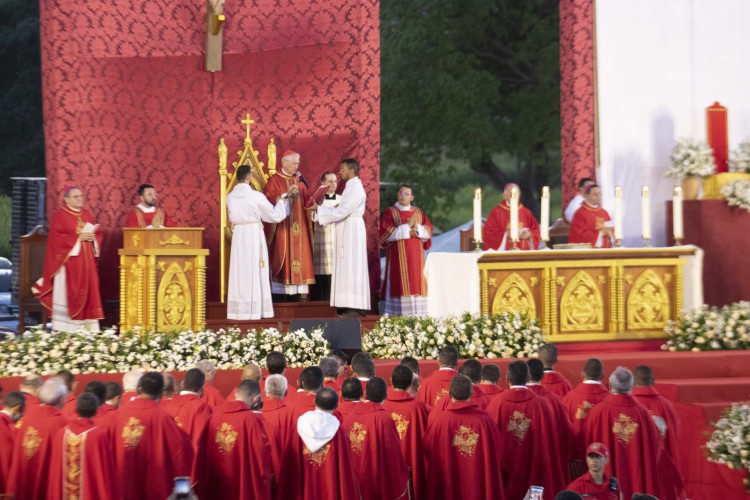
{"x": 251, "y": 372}
{"x": 31, "y": 384}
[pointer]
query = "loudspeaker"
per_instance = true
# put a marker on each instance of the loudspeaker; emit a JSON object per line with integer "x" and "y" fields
{"x": 344, "y": 334}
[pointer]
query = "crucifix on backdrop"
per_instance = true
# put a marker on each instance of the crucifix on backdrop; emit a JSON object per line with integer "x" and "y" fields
{"x": 214, "y": 35}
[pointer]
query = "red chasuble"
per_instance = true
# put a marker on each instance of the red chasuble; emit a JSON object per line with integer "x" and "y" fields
{"x": 659, "y": 406}
{"x": 410, "y": 416}
{"x": 579, "y": 403}
{"x": 477, "y": 397}
{"x": 491, "y": 391}
{"x": 290, "y": 241}
{"x": 139, "y": 218}
{"x": 29, "y": 472}
{"x": 333, "y": 384}
{"x": 69, "y": 407}
{"x": 126, "y": 398}
{"x": 346, "y": 407}
{"x": 105, "y": 416}
{"x": 564, "y": 426}
{"x": 556, "y": 383}
{"x": 498, "y": 222}
{"x": 376, "y": 453}
{"x": 435, "y": 387}
{"x": 212, "y": 396}
{"x": 462, "y": 446}
{"x": 527, "y": 430}
{"x": 586, "y": 486}
{"x": 7, "y": 437}
{"x": 404, "y": 259}
{"x": 191, "y": 415}
{"x": 81, "y": 276}
{"x": 584, "y": 228}
{"x": 150, "y": 450}
{"x": 82, "y": 463}
{"x": 628, "y": 431}
{"x": 235, "y": 459}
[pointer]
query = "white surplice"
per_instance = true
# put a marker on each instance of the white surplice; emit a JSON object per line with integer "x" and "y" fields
{"x": 249, "y": 295}
{"x": 350, "y": 280}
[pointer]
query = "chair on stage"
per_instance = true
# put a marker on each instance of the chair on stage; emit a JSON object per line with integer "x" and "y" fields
{"x": 558, "y": 232}
{"x": 33, "y": 248}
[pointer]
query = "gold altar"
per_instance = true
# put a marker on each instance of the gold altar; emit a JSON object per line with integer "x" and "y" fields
{"x": 583, "y": 295}
{"x": 163, "y": 279}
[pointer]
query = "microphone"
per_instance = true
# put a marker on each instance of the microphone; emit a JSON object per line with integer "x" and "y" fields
{"x": 301, "y": 179}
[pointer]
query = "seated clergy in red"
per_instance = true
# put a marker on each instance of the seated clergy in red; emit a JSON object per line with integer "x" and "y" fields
{"x": 15, "y": 403}
{"x": 553, "y": 381}
{"x": 376, "y": 448}
{"x": 276, "y": 419}
{"x": 581, "y": 400}
{"x": 462, "y": 445}
{"x": 320, "y": 451}
{"x": 410, "y": 416}
{"x": 490, "y": 379}
{"x": 147, "y": 213}
{"x": 596, "y": 484}
{"x": 150, "y": 449}
{"x": 235, "y": 459}
{"x": 68, "y": 409}
{"x": 82, "y": 465}
{"x": 527, "y": 425}
{"x": 627, "y": 430}
{"x": 211, "y": 394}
{"x": 590, "y": 224}
{"x": 496, "y": 230}
{"x": 30, "y": 466}
{"x": 352, "y": 395}
{"x": 188, "y": 410}
{"x": 435, "y": 387}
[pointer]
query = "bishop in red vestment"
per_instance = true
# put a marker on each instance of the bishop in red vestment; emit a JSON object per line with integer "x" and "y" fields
{"x": 589, "y": 224}
{"x": 149, "y": 445}
{"x": 376, "y": 448}
{"x": 405, "y": 234}
{"x": 435, "y": 387}
{"x": 235, "y": 460}
{"x": 627, "y": 430}
{"x": 82, "y": 464}
{"x": 10, "y": 414}
{"x": 147, "y": 213}
{"x": 462, "y": 446}
{"x": 73, "y": 245}
{"x": 290, "y": 241}
{"x": 188, "y": 410}
{"x": 581, "y": 400}
{"x": 496, "y": 229}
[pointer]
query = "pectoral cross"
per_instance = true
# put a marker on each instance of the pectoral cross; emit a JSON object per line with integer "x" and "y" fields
{"x": 247, "y": 122}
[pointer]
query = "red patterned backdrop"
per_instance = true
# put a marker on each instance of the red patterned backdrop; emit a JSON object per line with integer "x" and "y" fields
{"x": 126, "y": 101}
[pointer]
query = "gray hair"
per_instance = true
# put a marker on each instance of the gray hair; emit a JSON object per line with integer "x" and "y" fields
{"x": 330, "y": 367}
{"x": 53, "y": 391}
{"x": 205, "y": 366}
{"x": 276, "y": 386}
{"x": 130, "y": 380}
{"x": 290, "y": 157}
{"x": 415, "y": 382}
{"x": 621, "y": 381}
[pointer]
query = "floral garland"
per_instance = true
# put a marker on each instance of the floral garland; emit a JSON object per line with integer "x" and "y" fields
{"x": 691, "y": 157}
{"x": 739, "y": 160}
{"x": 729, "y": 443}
{"x": 711, "y": 329}
{"x": 475, "y": 336}
{"x": 737, "y": 194}
{"x": 109, "y": 352}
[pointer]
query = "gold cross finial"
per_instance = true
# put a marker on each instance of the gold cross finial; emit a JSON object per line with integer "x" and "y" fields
{"x": 247, "y": 122}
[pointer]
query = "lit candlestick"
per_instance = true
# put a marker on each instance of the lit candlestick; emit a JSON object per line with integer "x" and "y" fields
{"x": 477, "y": 214}
{"x": 544, "y": 230}
{"x": 618, "y": 213}
{"x": 677, "y": 229}
{"x": 645, "y": 213}
{"x": 514, "y": 214}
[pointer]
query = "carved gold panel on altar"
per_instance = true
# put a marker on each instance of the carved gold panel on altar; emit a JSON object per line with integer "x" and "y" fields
{"x": 580, "y": 295}
{"x": 163, "y": 279}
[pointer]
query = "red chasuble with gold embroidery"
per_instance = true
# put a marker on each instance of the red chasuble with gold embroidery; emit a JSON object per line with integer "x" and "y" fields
{"x": 139, "y": 218}
{"x": 82, "y": 465}
{"x": 7, "y": 437}
{"x": 556, "y": 383}
{"x": 659, "y": 406}
{"x": 527, "y": 431}
{"x": 150, "y": 450}
{"x": 235, "y": 461}
{"x": 435, "y": 387}
{"x": 631, "y": 436}
{"x": 82, "y": 278}
{"x": 290, "y": 241}
{"x": 462, "y": 446}
{"x": 410, "y": 416}
{"x": 191, "y": 415}
{"x": 404, "y": 259}
{"x": 579, "y": 403}
{"x": 584, "y": 228}
{"x": 498, "y": 222}
{"x": 29, "y": 473}
{"x": 376, "y": 453}
{"x": 564, "y": 426}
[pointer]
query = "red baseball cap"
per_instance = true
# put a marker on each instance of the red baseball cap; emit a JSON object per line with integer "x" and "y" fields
{"x": 599, "y": 449}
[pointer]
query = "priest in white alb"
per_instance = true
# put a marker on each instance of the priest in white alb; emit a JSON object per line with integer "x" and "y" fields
{"x": 249, "y": 294}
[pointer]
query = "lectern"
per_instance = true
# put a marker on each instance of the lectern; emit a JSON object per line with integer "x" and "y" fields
{"x": 163, "y": 279}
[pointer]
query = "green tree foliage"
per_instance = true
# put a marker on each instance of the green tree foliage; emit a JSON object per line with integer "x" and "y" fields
{"x": 21, "y": 134}
{"x": 474, "y": 81}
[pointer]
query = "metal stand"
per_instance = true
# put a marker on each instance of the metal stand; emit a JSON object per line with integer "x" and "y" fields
{"x": 478, "y": 246}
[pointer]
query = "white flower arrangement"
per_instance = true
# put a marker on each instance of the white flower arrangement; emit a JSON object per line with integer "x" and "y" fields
{"x": 737, "y": 194}
{"x": 46, "y": 353}
{"x": 475, "y": 336}
{"x": 729, "y": 443}
{"x": 710, "y": 329}
{"x": 691, "y": 157}
{"x": 739, "y": 160}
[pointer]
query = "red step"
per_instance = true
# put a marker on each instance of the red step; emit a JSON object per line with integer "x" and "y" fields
{"x": 705, "y": 390}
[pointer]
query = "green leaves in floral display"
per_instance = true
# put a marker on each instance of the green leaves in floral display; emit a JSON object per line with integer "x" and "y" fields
{"x": 711, "y": 329}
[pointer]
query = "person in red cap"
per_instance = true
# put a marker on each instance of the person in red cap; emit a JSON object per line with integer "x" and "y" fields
{"x": 595, "y": 483}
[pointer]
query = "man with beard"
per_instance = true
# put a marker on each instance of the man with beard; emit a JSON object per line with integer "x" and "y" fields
{"x": 147, "y": 213}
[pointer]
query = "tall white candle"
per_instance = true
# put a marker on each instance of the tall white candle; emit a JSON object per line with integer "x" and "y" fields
{"x": 618, "y": 212}
{"x": 544, "y": 229}
{"x": 645, "y": 213}
{"x": 514, "y": 214}
{"x": 477, "y": 214}
{"x": 677, "y": 229}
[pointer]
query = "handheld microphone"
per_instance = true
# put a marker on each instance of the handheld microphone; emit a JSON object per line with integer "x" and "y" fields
{"x": 301, "y": 179}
